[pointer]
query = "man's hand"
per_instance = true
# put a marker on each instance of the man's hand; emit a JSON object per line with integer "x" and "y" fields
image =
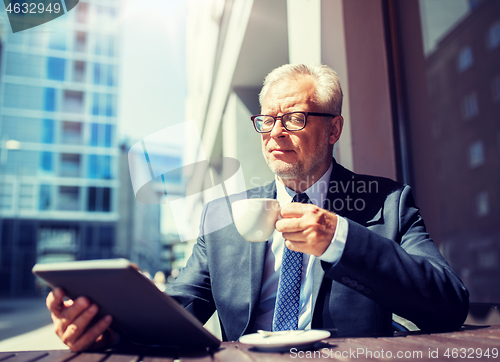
{"x": 72, "y": 322}
{"x": 307, "y": 228}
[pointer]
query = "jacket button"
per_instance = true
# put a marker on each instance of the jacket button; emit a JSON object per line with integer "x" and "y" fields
{"x": 360, "y": 287}
{"x": 353, "y": 283}
{"x": 345, "y": 280}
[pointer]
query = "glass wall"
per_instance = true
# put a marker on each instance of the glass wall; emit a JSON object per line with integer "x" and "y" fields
{"x": 452, "y": 81}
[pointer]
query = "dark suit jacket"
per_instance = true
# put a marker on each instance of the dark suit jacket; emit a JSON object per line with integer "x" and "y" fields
{"x": 389, "y": 265}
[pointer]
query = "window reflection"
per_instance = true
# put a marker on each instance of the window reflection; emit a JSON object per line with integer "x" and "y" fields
{"x": 461, "y": 49}
{"x": 68, "y": 198}
{"x": 494, "y": 35}
{"x": 80, "y": 41}
{"x": 71, "y": 133}
{"x": 82, "y": 12}
{"x": 69, "y": 165}
{"x": 79, "y": 71}
{"x": 73, "y": 101}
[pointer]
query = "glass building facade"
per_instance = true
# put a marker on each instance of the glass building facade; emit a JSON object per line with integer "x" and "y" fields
{"x": 58, "y": 132}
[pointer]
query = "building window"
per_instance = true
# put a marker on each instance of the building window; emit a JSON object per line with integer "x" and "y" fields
{"x": 106, "y": 237}
{"x": 68, "y": 198}
{"x": 6, "y": 197}
{"x": 101, "y": 135}
{"x": 474, "y": 4}
{"x": 94, "y": 134}
{"x": 99, "y": 199}
{"x": 104, "y": 105}
{"x": 110, "y": 109}
{"x": 494, "y": 35}
{"x": 111, "y": 46}
{"x": 82, "y": 12}
{"x": 22, "y": 129}
{"x": 50, "y": 99}
{"x": 496, "y": 89}
{"x": 57, "y": 40}
{"x": 465, "y": 59}
{"x": 78, "y": 71}
{"x": 46, "y": 162}
{"x": 24, "y": 65}
{"x": 97, "y": 73}
{"x": 55, "y": 68}
{"x": 99, "y": 167}
{"x": 469, "y": 106}
{"x": 99, "y": 44}
{"x": 108, "y": 134}
{"x": 70, "y": 165}
{"x": 73, "y": 101}
{"x": 44, "y": 199}
{"x": 482, "y": 204}
{"x": 487, "y": 259}
{"x": 26, "y": 196}
{"x": 95, "y": 104}
{"x": 80, "y": 41}
{"x": 476, "y": 154}
{"x": 71, "y": 133}
{"x": 111, "y": 75}
{"x": 47, "y": 131}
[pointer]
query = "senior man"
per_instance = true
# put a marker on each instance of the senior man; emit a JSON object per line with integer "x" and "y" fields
{"x": 349, "y": 251}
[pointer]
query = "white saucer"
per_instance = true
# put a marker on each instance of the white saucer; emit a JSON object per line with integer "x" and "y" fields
{"x": 294, "y": 339}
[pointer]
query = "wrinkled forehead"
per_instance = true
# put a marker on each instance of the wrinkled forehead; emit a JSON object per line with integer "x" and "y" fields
{"x": 288, "y": 94}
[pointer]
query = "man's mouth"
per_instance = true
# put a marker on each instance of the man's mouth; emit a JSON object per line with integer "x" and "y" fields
{"x": 279, "y": 151}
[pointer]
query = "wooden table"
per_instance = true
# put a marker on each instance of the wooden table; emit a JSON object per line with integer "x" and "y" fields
{"x": 470, "y": 343}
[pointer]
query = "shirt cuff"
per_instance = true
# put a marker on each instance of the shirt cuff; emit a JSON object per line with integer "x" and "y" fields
{"x": 334, "y": 251}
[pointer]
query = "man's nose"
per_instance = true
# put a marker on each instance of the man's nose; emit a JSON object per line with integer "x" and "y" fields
{"x": 278, "y": 128}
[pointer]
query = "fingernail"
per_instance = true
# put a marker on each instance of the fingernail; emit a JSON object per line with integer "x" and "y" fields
{"x": 82, "y": 301}
{"x": 93, "y": 308}
{"x": 108, "y": 319}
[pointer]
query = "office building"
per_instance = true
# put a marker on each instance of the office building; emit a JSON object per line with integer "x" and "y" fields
{"x": 59, "y": 90}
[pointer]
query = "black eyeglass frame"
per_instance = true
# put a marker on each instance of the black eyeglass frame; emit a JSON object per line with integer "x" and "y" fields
{"x": 306, "y": 114}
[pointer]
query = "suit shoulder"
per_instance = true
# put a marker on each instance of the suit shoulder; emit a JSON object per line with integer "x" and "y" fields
{"x": 383, "y": 184}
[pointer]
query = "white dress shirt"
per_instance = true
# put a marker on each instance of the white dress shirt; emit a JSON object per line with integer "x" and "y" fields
{"x": 317, "y": 194}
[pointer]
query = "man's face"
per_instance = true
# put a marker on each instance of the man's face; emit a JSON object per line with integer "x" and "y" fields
{"x": 300, "y": 155}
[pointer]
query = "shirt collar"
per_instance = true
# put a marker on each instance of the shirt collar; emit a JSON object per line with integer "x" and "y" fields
{"x": 316, "y": 192}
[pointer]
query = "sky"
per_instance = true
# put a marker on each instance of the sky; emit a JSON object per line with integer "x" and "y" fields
{"x": 153, "y": 82}
{"x": 438, "y": 17}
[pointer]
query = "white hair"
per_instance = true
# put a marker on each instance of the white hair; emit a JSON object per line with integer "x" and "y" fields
{"x": 328, "y": 91}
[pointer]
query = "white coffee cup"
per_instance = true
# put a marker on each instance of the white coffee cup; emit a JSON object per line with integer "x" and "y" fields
{"x": 255, "y": 218}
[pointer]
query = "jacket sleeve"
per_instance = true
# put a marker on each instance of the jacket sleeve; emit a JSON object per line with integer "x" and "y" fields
{"x": 404, "y": 272}
{"x": 192, "y": 288}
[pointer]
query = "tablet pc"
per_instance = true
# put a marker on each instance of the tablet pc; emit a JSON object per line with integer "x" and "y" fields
{"x": 140, "y": 311}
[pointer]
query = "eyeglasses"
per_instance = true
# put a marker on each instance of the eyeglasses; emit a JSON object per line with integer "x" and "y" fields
{"x": 293, "y": 121}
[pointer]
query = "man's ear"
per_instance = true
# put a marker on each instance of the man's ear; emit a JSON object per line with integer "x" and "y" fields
{"x": 336, "y": 129}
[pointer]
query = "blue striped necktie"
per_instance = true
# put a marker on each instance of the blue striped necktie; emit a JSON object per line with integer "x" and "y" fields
{"x": 286, "y": 310}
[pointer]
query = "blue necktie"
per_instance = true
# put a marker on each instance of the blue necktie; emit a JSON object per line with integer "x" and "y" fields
{"x": 286, "y": 310}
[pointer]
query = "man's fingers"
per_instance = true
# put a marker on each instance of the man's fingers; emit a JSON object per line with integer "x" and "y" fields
{"x": 77, "y": 309}
{"x": 289, "y": 225}
{"x": 54, "y": 300}
{"x": 296, "y": 209}
{"x": 294, "y": 245}
{"x": 72, "y": 329}
{"x": 87, "y": 339}
{"x": 295, "y": 237}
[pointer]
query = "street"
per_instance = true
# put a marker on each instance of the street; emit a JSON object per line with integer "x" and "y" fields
{"x": 25, "y": 324}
